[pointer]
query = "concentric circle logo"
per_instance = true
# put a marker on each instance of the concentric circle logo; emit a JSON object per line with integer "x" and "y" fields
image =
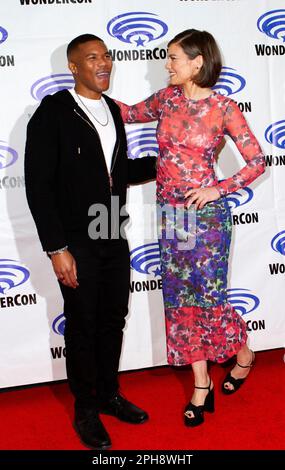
{"x": 145, "y": 259}
{"x": 8, "y": 155}
{"x": 278, "y": 243}
{"x": 242, "y": 300}
{"x": 12, "y": 274}
{"x": 51, "y": 84}
{"x": 58, "y": 325}
{"x": 240, "y": 197}
{"x": 142, "y": 143}
{"x": 3, "y": 34}
{"x": 272, "y": 23}
{"x": 138, "y": 27}
{"x": 275, "y": 134}
{"x": 229, "y": 82}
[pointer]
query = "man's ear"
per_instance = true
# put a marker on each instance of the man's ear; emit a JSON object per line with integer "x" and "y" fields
{"x": 72, "y": 67}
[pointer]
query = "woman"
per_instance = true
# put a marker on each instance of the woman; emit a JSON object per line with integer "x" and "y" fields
{"x": 192, "y": 120}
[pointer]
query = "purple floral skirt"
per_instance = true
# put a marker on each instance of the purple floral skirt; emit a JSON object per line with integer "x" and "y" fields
{"x": 200, "y": 323}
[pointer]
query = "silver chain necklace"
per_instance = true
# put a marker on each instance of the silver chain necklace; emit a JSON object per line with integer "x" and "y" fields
{"x": 96, "y": 119}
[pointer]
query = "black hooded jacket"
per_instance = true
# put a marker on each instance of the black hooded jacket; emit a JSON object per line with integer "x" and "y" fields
{"x": 66, "y": 172}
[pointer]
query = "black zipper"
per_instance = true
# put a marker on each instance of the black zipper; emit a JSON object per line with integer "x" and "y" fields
{"x": 113, "y": 159}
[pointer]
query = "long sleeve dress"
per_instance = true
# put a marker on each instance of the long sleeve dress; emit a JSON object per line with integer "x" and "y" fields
{"x": 200, "y": 323}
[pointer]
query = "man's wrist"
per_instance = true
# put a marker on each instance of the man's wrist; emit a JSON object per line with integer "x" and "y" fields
{"x": 57, "y": 252}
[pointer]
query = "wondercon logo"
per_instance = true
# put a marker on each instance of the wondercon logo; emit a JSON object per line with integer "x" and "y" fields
{"x": 142, "y": 143}
{"x": 58, "y": 324}
{"x": 51, "y": 84}
{"x": 240, "y": 197}
{"x": 275, "y": 134}
{"x": 278, "y": 243}
{"x": 138, "y": 27}
{"x": 8, "y": 155}
{"x": 272, "y": 24}
{"x": 145, "y": 259}
{"x": 12, "y": 274}
{"x": 3, "y": 34}
{"x": 242, "y": 300}
{"x": 229, "y": 82}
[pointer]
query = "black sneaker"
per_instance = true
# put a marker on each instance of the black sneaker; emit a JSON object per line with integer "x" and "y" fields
{"x": 91, "y": 430}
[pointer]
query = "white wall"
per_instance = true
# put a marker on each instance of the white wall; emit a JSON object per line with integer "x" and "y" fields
{"x": 33, "y": 39}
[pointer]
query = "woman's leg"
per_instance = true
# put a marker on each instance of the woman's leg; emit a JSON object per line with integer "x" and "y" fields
{"x": 201, "y": 379}
{"x": 202, "y": 398}
{"x": 245, "y": 358}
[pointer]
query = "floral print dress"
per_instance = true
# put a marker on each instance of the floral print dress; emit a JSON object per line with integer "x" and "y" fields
{"x": 200, "y": 323}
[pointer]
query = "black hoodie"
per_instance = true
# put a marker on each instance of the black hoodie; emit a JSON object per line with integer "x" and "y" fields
{"x": 66, "y": 172}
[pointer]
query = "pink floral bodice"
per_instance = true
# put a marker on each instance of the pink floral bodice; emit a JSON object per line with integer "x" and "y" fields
{"x": 188, "y": 135}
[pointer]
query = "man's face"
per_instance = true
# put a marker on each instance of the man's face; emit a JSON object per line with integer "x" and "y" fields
{"x": 91, "y": 66}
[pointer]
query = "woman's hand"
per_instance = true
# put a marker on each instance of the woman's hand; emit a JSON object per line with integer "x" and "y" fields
{"x": 200, "y": 196}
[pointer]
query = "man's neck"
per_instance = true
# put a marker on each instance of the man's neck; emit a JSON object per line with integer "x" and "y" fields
{"x": 87, "y": 93}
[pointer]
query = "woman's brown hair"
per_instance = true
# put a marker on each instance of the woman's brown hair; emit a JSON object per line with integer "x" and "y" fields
{"x": 194, "y": 43}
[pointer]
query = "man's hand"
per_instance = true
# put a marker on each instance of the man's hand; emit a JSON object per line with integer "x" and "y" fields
{"x": 200, "y": 196}
{"x": 64, "y": 266}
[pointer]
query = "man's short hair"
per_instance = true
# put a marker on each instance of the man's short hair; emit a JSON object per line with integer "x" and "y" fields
{"x": 80, "y": 40}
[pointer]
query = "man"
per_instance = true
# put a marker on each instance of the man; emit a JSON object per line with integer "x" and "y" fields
{"x": 75, "y": 163}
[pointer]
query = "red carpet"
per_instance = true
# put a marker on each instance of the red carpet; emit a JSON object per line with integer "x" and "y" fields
{"x": 40, "y": 417}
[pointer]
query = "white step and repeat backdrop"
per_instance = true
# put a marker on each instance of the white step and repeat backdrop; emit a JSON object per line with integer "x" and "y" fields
{"x": 33, "y": 39}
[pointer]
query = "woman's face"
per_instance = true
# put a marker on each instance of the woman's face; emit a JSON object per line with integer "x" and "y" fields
{"x": 181, "y": 69}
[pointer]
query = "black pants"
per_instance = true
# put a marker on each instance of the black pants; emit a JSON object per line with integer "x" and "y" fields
{"x": 95, "y": 317}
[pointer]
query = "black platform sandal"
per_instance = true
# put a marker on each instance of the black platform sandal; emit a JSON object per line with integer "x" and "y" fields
{"x": 194, "y": 415}
{"x": 236, "y": 383}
